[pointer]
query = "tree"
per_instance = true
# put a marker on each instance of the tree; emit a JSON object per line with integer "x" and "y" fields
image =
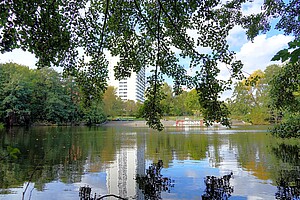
{"x": 179, "y": 107}
{"x": 94, "y": 114}
{"x": 37, "y": 96}
{"x": 192, "y": 102}
{"x": 251, "y": 100}
{"x": 240, "y": 102}
{"x": 113, "y": 105}
{"x": 75, "y": 34}
{"x": 285, "y": 97}
{"x": 167, "y": 101}
{"x": 131, "y": 108}
{"x": 17, "y": 93}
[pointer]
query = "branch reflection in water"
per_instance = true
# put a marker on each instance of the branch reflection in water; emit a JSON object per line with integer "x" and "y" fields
{"x": 288, "y": 190}
{"x": 153, "y": 183}
{"x": 218, "y": 188}
{"x": 85, "y": 194}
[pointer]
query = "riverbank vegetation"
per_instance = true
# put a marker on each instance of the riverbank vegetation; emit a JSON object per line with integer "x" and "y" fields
{"x": 44, "y": 97}
{"x": 30, "y": 96}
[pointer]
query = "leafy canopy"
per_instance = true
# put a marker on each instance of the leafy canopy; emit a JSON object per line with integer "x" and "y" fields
{"x": 155, "y": 34}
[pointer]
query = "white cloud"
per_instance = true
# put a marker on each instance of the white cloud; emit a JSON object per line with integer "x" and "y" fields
{"x": 236, "y": 37}
{"x": 258, "y": 54}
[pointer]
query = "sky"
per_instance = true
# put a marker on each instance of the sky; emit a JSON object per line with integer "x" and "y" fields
{"x": 254, "y": 54}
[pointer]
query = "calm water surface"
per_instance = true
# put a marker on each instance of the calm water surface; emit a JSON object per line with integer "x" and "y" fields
{"x": 56, "y": 161}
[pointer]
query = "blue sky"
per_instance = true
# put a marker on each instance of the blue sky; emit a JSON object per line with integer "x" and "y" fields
{"x": 254, "y": 54}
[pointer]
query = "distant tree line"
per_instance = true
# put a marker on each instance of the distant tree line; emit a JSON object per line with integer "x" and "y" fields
{"x": 29, "y": 96}
{"x": 44, "y": 96}
{"x": 184, "y": 104}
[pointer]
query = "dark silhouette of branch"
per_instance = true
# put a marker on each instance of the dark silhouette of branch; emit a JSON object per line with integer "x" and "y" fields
{"x": 104, "y": 24}
{"x": 158, "y": 53}
{"x": 179, "y": 32}
{"x": 111, "y": 195}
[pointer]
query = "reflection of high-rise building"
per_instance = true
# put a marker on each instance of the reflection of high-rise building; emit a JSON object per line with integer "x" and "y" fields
{"x": 131, "y": 88}
{"x": 121, "y": 174}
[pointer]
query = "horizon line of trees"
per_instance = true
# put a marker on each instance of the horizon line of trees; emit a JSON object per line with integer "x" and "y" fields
{"x": 29, "y": 96}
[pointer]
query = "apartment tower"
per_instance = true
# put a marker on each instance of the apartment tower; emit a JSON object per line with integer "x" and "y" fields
{"x": 131, "y": 88}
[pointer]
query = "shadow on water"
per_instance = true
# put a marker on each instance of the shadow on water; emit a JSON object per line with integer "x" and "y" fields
{"x": 288, "y": 190}
{"x": 288, "y": 153}
{"x": 288, "y": 180}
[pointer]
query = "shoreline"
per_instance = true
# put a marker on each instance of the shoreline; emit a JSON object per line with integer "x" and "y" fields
{"x": 166, "y": 123}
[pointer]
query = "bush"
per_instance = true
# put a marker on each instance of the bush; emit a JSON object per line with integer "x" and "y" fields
{"x": 289, "y": 128}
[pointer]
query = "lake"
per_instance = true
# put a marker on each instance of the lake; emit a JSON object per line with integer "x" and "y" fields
{"x": 56, "y": 161}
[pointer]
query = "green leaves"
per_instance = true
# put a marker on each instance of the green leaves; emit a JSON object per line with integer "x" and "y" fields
{"x": 75, "y": 34}
{"x": 44, "y": 96}
{"x": 284, "y": 91}
{"x": 283, "y": 86}
{"x": 13, "y": 152}
{"x": 289, "y": 128}
{"x": 10, "y": 152}
{"x": 292, "y": 54}
{"x": 152, "y": 108}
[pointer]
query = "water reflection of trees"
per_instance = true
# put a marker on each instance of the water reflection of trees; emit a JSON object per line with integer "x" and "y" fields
{"x": 287, "y": 177}
{"x": 253, "y": 153}
{"x": 288, "y": 153}
{"x": 288, "y": 185}
{"x": 62, "y": 153}
{"x": 49, "y": 154}
{"x": 176, "y": 146}
{"x": 152, "y": 185}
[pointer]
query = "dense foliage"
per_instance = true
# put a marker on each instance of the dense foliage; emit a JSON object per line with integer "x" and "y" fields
{"x": 29, "y": 96}
{"x": 251, "y": 101}
{"x": 75, "y": 34}
{"x": 285, "y": 88}
{"x": 152, "y": 34}
{"x": 272, "y": 96}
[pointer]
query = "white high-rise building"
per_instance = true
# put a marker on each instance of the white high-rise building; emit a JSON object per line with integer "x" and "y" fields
{"x": 131, "y": 88}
